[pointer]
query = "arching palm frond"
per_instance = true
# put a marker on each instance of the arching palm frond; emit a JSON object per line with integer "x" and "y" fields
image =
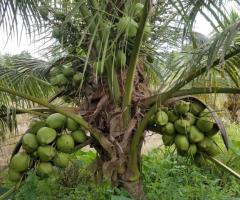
{"x": 27, "y": 75}
{"x": 14, "y": 12}
{"x": 222, "y": 51}
{"x": 188, "y": 10}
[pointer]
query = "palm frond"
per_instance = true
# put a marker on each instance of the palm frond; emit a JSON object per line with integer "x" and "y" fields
{"x": 14, "y": 12}
{"x": 27, "y": 75}
{"x": 189, "y": 10}
{"x": 222, "y": 51}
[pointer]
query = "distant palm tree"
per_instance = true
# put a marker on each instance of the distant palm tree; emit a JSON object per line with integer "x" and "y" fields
{"x": 114, "y": 101}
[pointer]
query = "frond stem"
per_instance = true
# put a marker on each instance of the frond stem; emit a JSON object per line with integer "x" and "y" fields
{"x": 97, "y": 134}
{"x": 127, "y": 98}
{"x": 193, "y": 91}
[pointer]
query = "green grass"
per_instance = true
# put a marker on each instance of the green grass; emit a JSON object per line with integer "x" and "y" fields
{"x": 169, "y": 176}
{"x": 166, "y": 176}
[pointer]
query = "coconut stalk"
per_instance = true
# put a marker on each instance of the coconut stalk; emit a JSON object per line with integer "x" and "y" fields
{"x": 127, "y": 98}
{"x": 225, "y": 167}
{"x": 97, "y": 134}
{"x": 10, "y": 191}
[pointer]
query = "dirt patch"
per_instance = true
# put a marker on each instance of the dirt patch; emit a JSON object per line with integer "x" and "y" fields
{"x": 152, "y": 141}
{"x": 9, "y": 143}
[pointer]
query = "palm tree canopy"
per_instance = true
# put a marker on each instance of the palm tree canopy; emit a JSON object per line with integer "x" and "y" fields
{"x": 86, "y": 32}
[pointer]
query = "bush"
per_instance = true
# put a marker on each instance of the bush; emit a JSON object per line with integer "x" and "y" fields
{"x": 167, "y": 176}
{"x": 48, "y": 189}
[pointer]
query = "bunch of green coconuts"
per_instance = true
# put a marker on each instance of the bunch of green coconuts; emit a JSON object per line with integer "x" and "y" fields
{"x": 46, "y": 145}
{"x": 126, "y": 27}
{"x": 189, "y": 126}
{"x": 65, "y": 76}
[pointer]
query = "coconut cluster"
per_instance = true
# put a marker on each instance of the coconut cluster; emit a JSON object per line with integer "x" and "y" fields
{"x": 66, "y": 76}
{"x": 47, "y": 144}
{"x": 73, "y": 75}
{"x": 124, "y": 28}
{"x": 187, "y": 125}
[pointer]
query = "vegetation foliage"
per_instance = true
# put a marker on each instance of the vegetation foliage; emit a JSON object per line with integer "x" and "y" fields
{"x": 108, "y": 54}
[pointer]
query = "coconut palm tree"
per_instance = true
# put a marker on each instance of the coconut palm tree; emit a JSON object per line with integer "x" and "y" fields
{"x": 120, "y": 48}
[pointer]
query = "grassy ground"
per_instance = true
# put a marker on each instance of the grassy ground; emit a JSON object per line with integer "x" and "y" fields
{"x": 165, "y": 176}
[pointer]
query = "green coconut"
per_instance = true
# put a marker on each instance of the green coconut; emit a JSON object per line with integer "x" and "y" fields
{"x": 44, "y": 169}
{"x": 57, "y": 32}
{"x": 206, "y": 113}
{"x": 14, "y": 176}
{"x": 182, "y": 126}
{"x": 61, "y": 80}
{"x": 182, "y": 107}
{"x": 209, "y": 146}
{"x": 65, "y": 143}
{"x": 213, "y": 150}
{"x": 205, "y": 124}
{"x": 56, "y": 121}
{"x": 46, "y": 153}
{"x": 181, "y": 142}
{"x": 161, "y": 118}
{"x": 190, "y": 117}
{"x": 168, "y": 140}
{"x": 46, "y": 135}
{"x": 36, "y": 125}
{"x": 55, "y": 71}
{"x": 29, "y": 142}
{"x": 72, "y": 125}
{"x": 98, "y": 67}
{"x": 138, "y": 9}
{"x": 213, "y": 131}
{"x": 79, "y": 136}
{"x": 54, "y": 81}
{"x": 43, "y": 10}
{"x": 59, "y": 15}
{"x": 204, "y": 144}
{"x": 168, "y": 129}
{"x": 61, "y": 160}
{"x": 196, "y": 108}
{"x": 128, "y": 26}
{"x": 78, "y": 77}
{"x": 68, "y": 72}
{"x": 20, "y": 162}
{"x": 121, "y": 58}
{"x": 172, "y": 116}
{"x": 192, "y": 150}
{"x": 195, "y": 135}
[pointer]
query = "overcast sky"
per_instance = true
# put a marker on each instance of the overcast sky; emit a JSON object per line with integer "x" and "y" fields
{"x": 12, "y": 47}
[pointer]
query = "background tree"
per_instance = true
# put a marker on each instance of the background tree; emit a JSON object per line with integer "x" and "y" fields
{"x": 118, "y": 48}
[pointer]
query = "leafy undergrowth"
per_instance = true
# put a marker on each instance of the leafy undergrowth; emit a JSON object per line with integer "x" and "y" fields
{"x": 172, "y": 177}
{"x": 165, "y": 177}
